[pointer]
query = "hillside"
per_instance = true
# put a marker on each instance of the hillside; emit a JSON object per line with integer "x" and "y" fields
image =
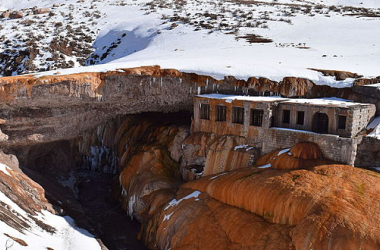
{"x": 270, "y": 39}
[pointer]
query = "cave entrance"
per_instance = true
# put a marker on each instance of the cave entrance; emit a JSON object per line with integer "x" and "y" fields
{"x": 320, "y": 123}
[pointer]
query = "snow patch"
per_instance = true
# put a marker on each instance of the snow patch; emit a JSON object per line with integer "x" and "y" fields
{"x": 167, "y": 217}
{"x": 245, "y": 146}
{"x": 283, "y": 151}
{"x": 266, "y": 166}
{"x": 175, "y": 202}
{"x": 216, "y": 176}
{"x": 375, "y": 125}
{"x": 5, "y": 169}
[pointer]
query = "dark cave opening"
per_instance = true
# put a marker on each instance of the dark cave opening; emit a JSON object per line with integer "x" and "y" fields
{"x": 89, "y": 197}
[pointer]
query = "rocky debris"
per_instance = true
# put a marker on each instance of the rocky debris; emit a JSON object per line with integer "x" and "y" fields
{"x": 27, "y": 50}
{"x": 39, "y": 11}
{"x": 56, "y": 5}
{"x": 339, "y": 75}
{"x": 5, "y": 14}
{"x": 364, "y": 81}
{"x": 16, "y": 15}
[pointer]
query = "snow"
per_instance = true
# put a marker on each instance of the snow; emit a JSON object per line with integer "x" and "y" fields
{"x": 265, "y": 166}
{"x": 5, "y": 169}
{"x": 66, "y": 237}
{"x": 175, "y": 202}
{"x": 230, "y": 98}
{"x": 376, "y": 85}
{"x": 294, "y": 130}
{"x": 326, "y": 102}
{"x": 216, "y": 176}
{"x": 167, "y": 217}
{"x": 245, "y": 146}
{"x": 317, "y": 101}
{"x": 283, "y": 151}
{"x": 329, "y": 39}
{"x": 375, "y": 125}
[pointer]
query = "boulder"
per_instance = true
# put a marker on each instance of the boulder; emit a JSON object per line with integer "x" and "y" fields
{"x": 16, "y": 15}
{"x": 5, "y": 14}
{"x": 38, "y": 11}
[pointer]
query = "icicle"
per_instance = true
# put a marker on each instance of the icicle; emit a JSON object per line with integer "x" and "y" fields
{"x": 199, "y": 90}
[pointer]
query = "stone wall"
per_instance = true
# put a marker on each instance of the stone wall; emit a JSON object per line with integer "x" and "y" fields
{"x": 368, "y": 155}
{"x": 333, "y": 147}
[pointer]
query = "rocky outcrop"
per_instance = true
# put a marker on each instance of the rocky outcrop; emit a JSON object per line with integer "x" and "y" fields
{"x": 300, "y": 155}
{"x": 321, "y": 204}
{"x": 300, "y": 202}
{"x": 16, "y": 15}
{"x": 21, "y": 190}
{"x": 39, "y": 11}
{"x": 43, "y": 109}
{"x": 368, "y": 155}
{"x": 194, "y": 220}
{"x": 338, "y": 74}
{"x": 208, "y": 153}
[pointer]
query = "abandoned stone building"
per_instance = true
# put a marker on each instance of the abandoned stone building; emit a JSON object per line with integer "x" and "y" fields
{"x": 272, "y": 123}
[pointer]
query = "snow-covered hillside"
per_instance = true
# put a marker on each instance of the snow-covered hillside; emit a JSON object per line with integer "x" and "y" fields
{"x": 269, "y": 38}
{"x": 26, "y": 218}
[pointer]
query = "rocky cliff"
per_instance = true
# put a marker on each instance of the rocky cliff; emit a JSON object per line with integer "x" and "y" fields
{"x": 297, "y": 201}
{"x": 190, "y": 191}
{"x": 44, "y": 109}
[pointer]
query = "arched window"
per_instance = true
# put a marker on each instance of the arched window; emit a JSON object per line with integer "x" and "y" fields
{"x": 320, "y": 123}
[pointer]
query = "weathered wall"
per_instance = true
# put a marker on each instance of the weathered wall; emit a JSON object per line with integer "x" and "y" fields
{"x": 333, "y": 147}
{"x": 368, "y": 155}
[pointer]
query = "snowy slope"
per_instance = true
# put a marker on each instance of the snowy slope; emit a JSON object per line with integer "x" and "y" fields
{"x": 213, "y": 38}
{"x": 23, "y": 229}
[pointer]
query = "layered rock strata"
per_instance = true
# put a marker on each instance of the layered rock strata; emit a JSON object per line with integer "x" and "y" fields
{"x": 43, "y": 109}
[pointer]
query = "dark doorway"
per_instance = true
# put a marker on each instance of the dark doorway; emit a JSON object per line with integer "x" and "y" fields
{"x": 320, "y": 123}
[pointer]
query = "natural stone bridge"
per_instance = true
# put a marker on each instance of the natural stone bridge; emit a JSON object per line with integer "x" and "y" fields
{"x": 57, "y": 107}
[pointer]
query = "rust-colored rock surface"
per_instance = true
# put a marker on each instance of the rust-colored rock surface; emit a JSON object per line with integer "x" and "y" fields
{"x": 300, "y": 155}
{"x": 207, "y": 153}
{"x": 19, "y": 188}
{"x": 330, "y": 206}
{"x": 194, "y": 220}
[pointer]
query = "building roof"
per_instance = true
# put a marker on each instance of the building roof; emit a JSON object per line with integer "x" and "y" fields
{"x": 230, "y": 98}
{"x": 328, "y": 102}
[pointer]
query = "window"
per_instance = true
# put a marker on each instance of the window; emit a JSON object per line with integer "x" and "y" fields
{"x": 221, "y": 113}
{"x": 342, "y": 122}
{"x": 300, "y": 117}
{"x": 257, "y": 117}
{"x": 286, "y": 116}
{"x": 205, "y": 111}
{"x": 238, "y": 115}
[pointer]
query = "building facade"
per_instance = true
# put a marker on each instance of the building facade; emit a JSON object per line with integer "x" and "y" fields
{"x": 274, "y": 122}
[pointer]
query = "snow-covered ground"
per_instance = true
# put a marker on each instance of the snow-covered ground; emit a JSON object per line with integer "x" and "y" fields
{"x": 211, "y": 38}
{"x": 66, "y": 235}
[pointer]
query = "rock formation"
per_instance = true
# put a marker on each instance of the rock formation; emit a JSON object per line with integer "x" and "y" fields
{"x": 243, "y": 208}
{"x": 37, "y": 110}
